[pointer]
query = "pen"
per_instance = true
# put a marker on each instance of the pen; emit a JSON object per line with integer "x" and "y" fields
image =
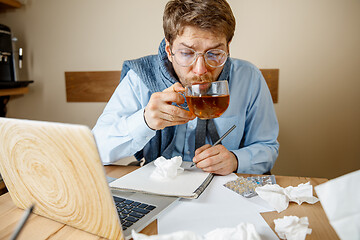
{"x": 220, "y": 139}
{"x": 22, "y": 222}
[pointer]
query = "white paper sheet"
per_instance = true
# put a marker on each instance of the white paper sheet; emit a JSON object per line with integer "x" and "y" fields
{"x": 340, "y": 198}
{"x": 217, "y": 207}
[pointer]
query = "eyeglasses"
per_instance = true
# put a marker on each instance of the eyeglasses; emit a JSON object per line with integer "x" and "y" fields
{"x": 187, "y": 56}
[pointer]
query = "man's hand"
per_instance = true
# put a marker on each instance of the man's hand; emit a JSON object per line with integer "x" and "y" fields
{"x": 215, "y": 159}
{"x": 160, "y": 113}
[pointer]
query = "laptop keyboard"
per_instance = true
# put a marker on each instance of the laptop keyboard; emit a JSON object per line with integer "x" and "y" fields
{"x": 130, "y": 211}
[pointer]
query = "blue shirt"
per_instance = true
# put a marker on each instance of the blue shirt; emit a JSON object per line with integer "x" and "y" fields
{"x": 121, "y": 130}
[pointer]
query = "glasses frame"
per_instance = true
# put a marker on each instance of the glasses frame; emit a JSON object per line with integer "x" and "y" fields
{"x": 197, "y": 54}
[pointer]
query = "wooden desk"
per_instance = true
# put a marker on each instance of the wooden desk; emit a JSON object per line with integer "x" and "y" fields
{"x": 4, "y": 99}
{"x": 42, "y": 228}
{"x": 5, "y": 96}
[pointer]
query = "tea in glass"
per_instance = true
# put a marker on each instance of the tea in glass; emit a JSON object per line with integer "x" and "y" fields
{"x": 208, "y": 100}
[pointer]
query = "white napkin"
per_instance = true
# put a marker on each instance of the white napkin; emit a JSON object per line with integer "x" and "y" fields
{"x": 243, "y": 231}
{"x": 340, "y": 199}
{"x": 292, "y": 227}
{"x": 279, "y": 197}
{"x": 167, "y": 168}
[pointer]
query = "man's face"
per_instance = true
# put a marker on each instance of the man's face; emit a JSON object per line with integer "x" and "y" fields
{"x": 199, "y": 41}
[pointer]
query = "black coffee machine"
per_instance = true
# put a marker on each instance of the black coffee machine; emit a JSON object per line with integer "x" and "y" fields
{"x": 7, "y": 68}
{"x": 8, "y": 65}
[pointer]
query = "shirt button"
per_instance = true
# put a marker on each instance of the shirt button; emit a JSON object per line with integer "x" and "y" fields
{"x": 188, "y": 152}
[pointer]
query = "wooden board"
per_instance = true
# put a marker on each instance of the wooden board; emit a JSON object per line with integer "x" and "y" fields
{"x": 42, "y": 228}
{"x": 14, "y": 91}
{"x": 318, "y": 221}
{"x": 91, "y": 86}
{"x": 56, "y": 167}
{"x": 100, "y": 85}
{"x": 272, "y": 79}
{"x": 9, "y": 3}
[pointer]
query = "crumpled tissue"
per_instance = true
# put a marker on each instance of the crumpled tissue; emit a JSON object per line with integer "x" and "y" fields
{"x": 279, "y": 197}
{"x": 166, "y": 169}
{"x": 243, "y": 231}
{"x": 340, "y": 199}
{"x": 292, "y": 227}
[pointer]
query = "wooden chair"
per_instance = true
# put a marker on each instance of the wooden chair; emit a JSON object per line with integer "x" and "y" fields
{"x": 99, "y": 86}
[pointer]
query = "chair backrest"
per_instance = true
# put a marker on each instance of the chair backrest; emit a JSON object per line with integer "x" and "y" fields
{"x": 91, "y": 86}
{"x": 98, "y": 86}
{"x": 272, "y": 79}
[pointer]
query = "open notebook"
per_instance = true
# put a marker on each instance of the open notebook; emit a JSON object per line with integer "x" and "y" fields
{"x": 189, "y": 184}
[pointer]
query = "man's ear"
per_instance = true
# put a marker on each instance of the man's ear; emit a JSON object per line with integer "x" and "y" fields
{"x": 228, "y": 47}
{"x": 168, "y": 50}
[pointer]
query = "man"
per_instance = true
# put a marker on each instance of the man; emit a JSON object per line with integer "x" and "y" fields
{"x": 143, "y": 117}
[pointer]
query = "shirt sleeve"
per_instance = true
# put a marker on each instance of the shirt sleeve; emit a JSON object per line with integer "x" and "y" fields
{"x": 260, "y": 145}
{"x": 121, "y": 130}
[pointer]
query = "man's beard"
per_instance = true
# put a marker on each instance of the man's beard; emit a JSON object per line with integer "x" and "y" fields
{"x": 199, "y": 79}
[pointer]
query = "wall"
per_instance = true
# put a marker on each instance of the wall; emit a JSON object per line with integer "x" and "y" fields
{"x": 315, "y": 44}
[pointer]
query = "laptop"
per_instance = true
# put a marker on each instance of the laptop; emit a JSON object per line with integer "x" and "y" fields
{"x": 57, "y": 167}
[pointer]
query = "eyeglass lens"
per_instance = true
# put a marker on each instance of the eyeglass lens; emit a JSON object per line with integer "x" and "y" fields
{"x": 187, "y": 57}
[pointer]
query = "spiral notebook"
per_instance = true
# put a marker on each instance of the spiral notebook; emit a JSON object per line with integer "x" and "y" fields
{"x": 189, "y": 184}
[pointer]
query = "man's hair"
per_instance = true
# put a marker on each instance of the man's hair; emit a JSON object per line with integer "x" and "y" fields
{"x": 210, "y": 15}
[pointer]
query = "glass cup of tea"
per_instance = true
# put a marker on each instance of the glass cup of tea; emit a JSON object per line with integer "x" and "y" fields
{"x": 208, "y": 100}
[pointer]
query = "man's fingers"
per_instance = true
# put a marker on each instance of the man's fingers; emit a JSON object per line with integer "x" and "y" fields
{"x": 214, "y": 168}
{"x": 215, "y": 159}
{"x": 200, "y": 153}
{"x": 160, "y": 111}
{"x": 170, "y": 97}
{"x": 176, "y": 97}
{"x": 175, "y": 113}
{"x": 166, "y": 115}
{"x": 201, "y": 149}
{"x": 177, "y": 87}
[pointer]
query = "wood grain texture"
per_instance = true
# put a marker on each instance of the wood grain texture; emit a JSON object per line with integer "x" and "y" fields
{"x": 314, "y": 212}
{"x": 318, "y": 221}
{"x": 9, "y": 214}
{"x": 91, "y": 86}
{"x": 272, "y": 79}
{"x": 14, "y": 91}
{"x": 55, "y": 168}
{"x": 99, "y": 86}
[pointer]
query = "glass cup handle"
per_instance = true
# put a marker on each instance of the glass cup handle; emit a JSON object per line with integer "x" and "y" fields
{"x": 184, "y": 105}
